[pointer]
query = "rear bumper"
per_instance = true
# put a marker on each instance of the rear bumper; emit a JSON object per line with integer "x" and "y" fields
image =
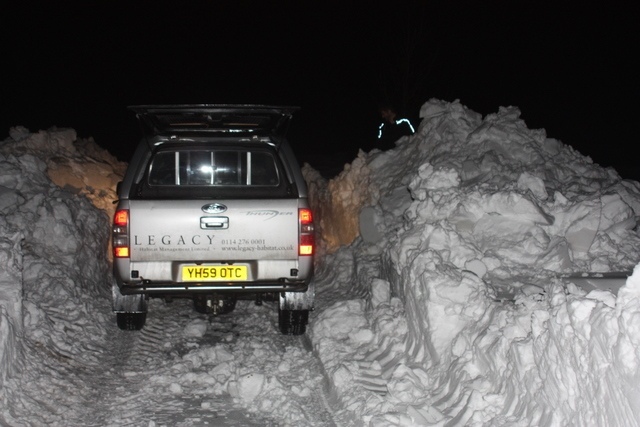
{"x": 157, "y": 288}
{"x": 277, "y": 273}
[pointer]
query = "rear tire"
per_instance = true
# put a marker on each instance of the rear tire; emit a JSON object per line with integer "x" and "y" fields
{"x": 131, "y": 321}
{"x": 293, "y": 322}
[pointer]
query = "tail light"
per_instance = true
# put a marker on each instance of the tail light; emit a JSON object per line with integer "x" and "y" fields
{"x": 121, "y": 234}
{"x": 307, "y": 239}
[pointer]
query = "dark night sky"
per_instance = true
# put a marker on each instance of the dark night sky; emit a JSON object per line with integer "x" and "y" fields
{"x": 568, "y": 67}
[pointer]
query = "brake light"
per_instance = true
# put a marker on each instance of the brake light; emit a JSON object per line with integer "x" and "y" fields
{"x": 307, "y": 238}
{"x": 121, "y": 218}
{"x": 120, "y": 234}
{"x": 305, "y": 216}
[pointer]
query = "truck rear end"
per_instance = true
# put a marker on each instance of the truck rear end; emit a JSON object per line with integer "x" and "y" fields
{"x": 213, "y": 208}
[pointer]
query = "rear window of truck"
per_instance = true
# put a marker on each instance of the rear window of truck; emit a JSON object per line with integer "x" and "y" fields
{"x": 221, "y": 172}
{"x": 214, "y": 168}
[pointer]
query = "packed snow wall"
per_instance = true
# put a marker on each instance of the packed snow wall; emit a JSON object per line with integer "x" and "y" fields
{"x": 55, "y": 192}
{"x": 478, "y": 221}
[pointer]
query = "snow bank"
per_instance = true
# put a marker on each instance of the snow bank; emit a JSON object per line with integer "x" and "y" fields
{"x": 474, "y": 223}
{"x": 53, "y": 245}
{"x": 79, "y": 166}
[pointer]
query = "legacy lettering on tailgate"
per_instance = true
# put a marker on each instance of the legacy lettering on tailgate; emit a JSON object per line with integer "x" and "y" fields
{"x": 167, "y": 240}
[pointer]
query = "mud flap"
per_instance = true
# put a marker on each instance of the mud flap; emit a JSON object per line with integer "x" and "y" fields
{"x": 298, "y": 300}
{"x": 127, "y": 303}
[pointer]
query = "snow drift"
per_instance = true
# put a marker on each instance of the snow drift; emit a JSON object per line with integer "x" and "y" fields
{"x": 468, "y": 230}
{"x": 54, "y": 284}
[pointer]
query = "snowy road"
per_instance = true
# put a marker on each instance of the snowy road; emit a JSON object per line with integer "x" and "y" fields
{"x": 183, "y": 369}
{"x": 170, "y": 374}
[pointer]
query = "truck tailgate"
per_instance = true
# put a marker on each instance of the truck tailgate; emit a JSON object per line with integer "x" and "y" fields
{"x": 180, "y": 230}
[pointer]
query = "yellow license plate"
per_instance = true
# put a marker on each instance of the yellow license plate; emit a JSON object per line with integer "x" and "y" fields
{"x": 214, "y": 273}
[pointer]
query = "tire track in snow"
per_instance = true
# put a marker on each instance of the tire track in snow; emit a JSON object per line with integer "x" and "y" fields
{"x": 154, "y": 376}
{"x": 163, "y": 376}
{"x": 123, "y": 395}
{"x": 109, "y": 386}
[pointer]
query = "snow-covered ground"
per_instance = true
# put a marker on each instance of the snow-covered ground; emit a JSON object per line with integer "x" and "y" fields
{"x": 443, "y": 294}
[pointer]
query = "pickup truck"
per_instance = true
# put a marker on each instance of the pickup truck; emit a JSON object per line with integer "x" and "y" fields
{"x": 213, "y": 207}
